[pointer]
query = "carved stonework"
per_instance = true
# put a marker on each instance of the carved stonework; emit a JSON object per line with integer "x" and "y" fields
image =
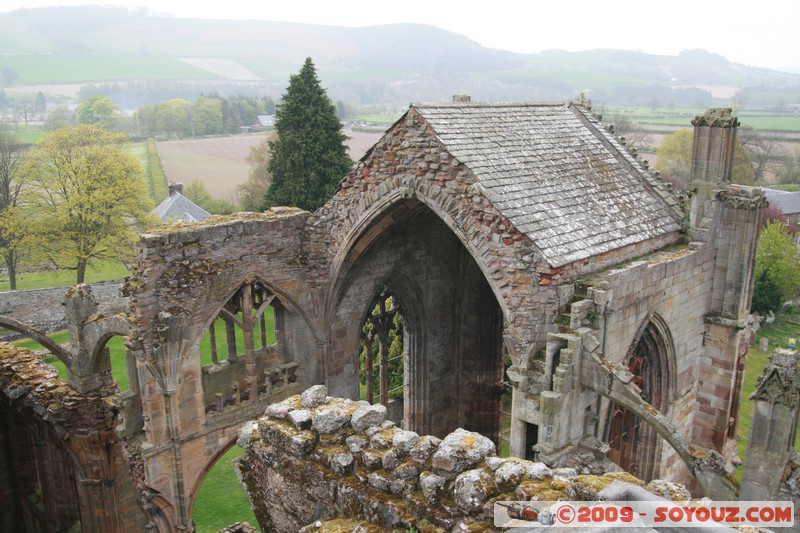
{"x": 741, "y": 199}
{"x": 777, "y": 386}
{"x": 170, "y": 349}
{"x": 716, "y": 117}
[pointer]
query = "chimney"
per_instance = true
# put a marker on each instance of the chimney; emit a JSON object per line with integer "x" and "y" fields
{"x": 175, "y": 187}
{"x": 461, "y": 98}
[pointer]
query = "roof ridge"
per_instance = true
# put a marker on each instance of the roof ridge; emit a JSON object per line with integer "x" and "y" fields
{"x": 548, "y": 103}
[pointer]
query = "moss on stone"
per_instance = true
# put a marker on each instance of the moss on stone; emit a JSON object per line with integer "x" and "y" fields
{"x": 542, "y": 490}
{"x": 343, "y": 525}
{"x": 599, "y": 482}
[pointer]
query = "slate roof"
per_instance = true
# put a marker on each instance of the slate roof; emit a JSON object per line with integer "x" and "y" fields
{"x": 177, "y": 207}
{"x": 787, "y": 202}
{"x": 557, "y": 175}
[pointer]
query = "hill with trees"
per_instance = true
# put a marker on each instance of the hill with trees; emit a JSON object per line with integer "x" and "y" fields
{"x": 147, "y": 59}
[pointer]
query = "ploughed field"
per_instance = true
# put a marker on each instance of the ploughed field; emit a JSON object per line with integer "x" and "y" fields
{"x": 220, "y": 162}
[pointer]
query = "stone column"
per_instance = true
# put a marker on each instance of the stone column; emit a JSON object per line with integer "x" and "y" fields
{"x": 80, "y": 307}
{"x": 728, "y": 331}
{"x": 713, "y": 144}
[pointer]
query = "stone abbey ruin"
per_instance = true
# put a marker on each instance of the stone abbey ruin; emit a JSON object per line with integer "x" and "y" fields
{"x": 522, "y": 246}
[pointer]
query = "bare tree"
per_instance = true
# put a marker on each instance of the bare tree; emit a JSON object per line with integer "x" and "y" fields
{"x": 636, "y": 136}
{"x": 251, "y": 193}
{"x": 24, "y": 109}
{"x": 788, "y": 170}
{"x": 10, "y": 187}
{"x": 764, "y": 149}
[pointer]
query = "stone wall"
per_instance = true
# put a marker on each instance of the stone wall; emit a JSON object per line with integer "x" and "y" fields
{"x": 672, "y": 288}
{"x": 43, "y": 309}
{"x": 184, "y": 276}
{"x": 314, "y": 458}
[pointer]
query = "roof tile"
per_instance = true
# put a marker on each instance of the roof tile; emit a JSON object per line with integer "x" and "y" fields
{"x": 565, "y": 184}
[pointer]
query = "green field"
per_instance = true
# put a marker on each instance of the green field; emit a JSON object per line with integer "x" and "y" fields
{"x": 29, "y": 136}
{"x": 681, "y": 117}
{"x": 64, "y": 68}
{"x": 102, "y": 271}
{"x": 221, "y": 500}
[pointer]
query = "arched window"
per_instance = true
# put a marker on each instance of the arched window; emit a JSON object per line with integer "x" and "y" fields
{"x": 246, "y": 323}
{"x": 635, "y": 446}
{"x": 381, "y": 357}
{"x": 115, "y": 360}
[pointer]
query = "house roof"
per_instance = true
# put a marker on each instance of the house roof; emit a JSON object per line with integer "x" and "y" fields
{"x": 265, "y": 121}
{"x": 787, "y": 202}
{"x": 177, "y": 207}
{"x": 557, "y": 175}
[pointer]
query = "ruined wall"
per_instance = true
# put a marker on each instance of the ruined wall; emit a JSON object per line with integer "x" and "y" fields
{"x": 182, "y": 279}
{"x": 770, "y": 466}
{"x": 61, "y": 458}
{"x": 672, "y": 286}
{"x": 43, "y": 309}
{"x": 316, "y": 458}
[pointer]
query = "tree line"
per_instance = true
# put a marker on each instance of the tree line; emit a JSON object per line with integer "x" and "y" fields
{"x": 78, "y": 196}
{"x": 210, "y": 114}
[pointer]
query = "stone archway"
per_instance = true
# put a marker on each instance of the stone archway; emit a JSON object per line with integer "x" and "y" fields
{"x": 198, "y": 497}
{"x": 38, "y": 336}
{"x": 635, "y": 445}
{"x": 453, "y": 323}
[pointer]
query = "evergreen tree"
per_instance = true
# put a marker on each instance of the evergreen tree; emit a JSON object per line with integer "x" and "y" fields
{"x": 309, "y": 155}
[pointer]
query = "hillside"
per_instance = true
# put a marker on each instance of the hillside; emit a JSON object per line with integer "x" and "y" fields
{"x": 82, "y": 45}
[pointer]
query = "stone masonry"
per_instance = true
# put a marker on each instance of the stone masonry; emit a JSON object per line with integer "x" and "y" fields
{"x": 313, "y": 459}
{"x": 523, "y": 247}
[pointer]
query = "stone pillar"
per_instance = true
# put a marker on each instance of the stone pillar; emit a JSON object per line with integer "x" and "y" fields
{"x": 80, "y": 307}
{"x": 734, "y": 239}
{"x": 713, "y": 146}
{"x": 736, "y": 243}
{"x": 561, "y": 406}
{"x": 773, "y": 426}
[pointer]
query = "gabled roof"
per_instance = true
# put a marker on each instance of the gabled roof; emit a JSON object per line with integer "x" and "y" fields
{"x": 177, "y": 207}
{"x": 265, "y": 121}
{"x": 557, "y": 175}
{"x": 787, "y": 202}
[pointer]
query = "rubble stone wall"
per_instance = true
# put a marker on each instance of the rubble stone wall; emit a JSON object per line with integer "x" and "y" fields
{"x": 61, "y": 457}
{"x": 316, "y": 458}
{"x": 43, "y": 309}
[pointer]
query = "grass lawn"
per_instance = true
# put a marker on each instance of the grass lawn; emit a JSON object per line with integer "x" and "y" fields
{"x": 221, "y": 500}
{"x": 103, "y": 271}
{"x": 29, "y": 136}
{"x": 778, "y": 333}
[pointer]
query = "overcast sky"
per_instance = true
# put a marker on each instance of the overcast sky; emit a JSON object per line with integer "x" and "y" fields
{"x": 763, "y": 34}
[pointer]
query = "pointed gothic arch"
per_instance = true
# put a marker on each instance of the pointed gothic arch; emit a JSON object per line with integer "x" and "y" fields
{"x": 452, "y": 320}
{"x": 635, "y": 445}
